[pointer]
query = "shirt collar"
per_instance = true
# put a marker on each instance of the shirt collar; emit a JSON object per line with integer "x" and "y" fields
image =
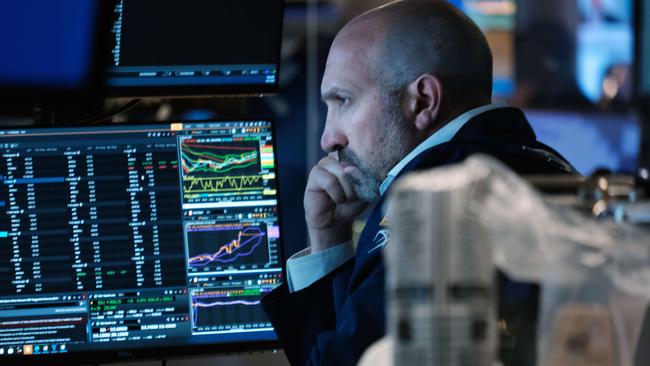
{"x": 445, "y": 134}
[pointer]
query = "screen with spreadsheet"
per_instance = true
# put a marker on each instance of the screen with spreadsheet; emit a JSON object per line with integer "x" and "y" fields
{"x": 137, "y": 238}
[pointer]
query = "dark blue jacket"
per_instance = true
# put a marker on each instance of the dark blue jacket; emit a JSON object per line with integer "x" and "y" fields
{"x": 335, "y": 319}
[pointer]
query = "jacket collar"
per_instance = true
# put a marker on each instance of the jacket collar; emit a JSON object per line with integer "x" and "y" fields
{"x": 455, "y": 128}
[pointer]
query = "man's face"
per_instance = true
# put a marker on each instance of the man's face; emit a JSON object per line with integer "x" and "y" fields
{"x": 364, "y": 124}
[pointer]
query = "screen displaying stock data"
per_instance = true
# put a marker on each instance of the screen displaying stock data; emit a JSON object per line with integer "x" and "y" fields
{"x": 130, "y": 236}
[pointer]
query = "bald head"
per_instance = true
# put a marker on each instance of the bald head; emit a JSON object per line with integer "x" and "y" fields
{"x": 408, "y": 38}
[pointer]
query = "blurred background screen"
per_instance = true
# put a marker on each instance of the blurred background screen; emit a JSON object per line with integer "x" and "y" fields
{"x": 605, "y": 44}
{"x": 574, "y": 54}
{"x": 569, "y": 65}
{"x": 47, "y": 45}
{"x": 607, "y": 140}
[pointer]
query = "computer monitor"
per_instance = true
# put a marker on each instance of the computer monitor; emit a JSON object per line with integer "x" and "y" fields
{"x": 575, "y": 54}
{"x": 130, "y": 241}
{"x": 195, "y": 47}
{"x": 608, "y": 141}
{"x": 50, "y": 50}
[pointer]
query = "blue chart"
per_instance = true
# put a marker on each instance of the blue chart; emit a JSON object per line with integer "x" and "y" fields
{"x": 216, "y": 247}
{"x": 224, "y": 310}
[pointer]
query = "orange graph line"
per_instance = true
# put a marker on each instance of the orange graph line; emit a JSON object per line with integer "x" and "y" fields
{"x": 228, "y": 248}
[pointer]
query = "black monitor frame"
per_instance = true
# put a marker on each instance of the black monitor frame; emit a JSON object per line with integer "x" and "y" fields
{"x": 215, "y": 90}
{"x": 642, "y": 96}
{"x": 642, "y": 59}
{"x": 164, "y": 352}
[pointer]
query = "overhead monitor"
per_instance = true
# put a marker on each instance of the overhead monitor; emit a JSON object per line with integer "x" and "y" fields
{"x": 131, "y": 241}
{"x": 195, "y": 47}
{"x": 50, "y": 49}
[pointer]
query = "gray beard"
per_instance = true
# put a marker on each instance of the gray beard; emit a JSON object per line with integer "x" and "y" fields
{"x": 366, "y": 186}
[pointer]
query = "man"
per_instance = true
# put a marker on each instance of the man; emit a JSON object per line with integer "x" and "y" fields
{"x": 407, "y": 86}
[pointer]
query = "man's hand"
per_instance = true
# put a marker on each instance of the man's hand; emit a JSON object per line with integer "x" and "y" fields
{"x": 331, "y": 204}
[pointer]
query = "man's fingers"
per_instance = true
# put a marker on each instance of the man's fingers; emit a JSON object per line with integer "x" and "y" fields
{"x": 352, "y": 209}
{"x": 332, "y": 166}
{"x": 322, "y": 180}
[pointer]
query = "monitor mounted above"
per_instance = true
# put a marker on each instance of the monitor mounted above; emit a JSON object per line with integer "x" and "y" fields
{"x": 195, "y": 47}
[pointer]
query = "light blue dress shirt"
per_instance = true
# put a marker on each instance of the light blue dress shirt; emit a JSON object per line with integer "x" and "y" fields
{"x": 305, "y": 268}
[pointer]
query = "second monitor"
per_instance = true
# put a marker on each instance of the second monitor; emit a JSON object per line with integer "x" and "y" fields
{"x": 195, "y": 47}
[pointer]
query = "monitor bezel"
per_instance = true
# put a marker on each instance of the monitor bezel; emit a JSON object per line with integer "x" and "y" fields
{"x": 197, "y": 91}
{"x": 641, "y": 95}
{"x": 163, "y": 352}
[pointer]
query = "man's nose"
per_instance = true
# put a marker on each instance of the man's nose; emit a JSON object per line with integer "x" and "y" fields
{"x": 332, "y": 139}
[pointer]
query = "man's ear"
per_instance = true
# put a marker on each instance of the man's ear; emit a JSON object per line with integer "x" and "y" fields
{"x": 424, "y": 98}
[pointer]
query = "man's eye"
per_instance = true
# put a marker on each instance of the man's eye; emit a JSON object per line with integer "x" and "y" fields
{"x": 343, "y": 100}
